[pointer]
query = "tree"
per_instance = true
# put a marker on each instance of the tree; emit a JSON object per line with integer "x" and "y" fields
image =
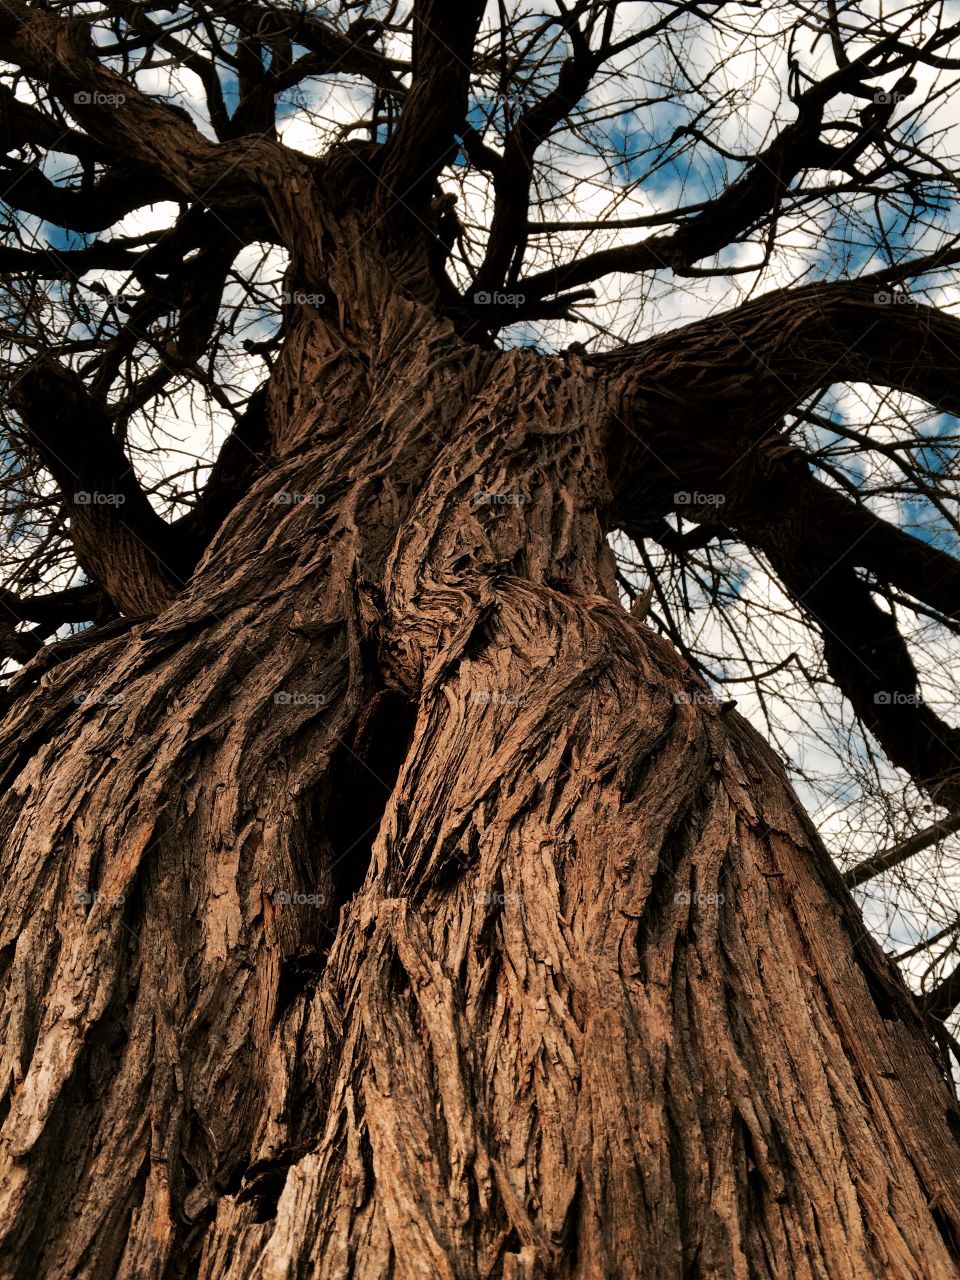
{"x": 380, "y": 895}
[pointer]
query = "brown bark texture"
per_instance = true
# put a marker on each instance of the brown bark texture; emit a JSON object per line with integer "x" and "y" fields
{"x": 390, "y": 902}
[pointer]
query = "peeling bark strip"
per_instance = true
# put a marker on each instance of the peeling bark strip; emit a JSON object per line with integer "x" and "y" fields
{"x": 401, "y": 907}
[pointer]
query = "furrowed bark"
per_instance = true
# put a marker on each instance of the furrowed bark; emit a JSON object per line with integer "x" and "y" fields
{"x": 491, "y": 947}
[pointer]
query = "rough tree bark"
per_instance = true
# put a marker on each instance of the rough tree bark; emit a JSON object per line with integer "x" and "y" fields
{"x": 492, "y": 948}
{"x": 379, "y": 897}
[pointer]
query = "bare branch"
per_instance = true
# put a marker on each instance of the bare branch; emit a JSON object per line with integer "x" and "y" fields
{"x": 424, "y": 141}
{"x": 887, "y": 859}
{"x": 120, "y": 540}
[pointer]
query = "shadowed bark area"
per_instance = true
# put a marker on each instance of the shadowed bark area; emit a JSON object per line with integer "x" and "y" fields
{"x": 572, "y": 990}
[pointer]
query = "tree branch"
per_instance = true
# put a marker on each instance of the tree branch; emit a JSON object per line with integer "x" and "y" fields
{"x": 889, "y": 858}
{"x": 514, "y": 174}
{"x": 748, "y": 201}
{"x": 22, "y": 125}
{"x": 119, "y": 539}
{"x": 331, "y": 50}
{"x": 120, "y": 191}
{"x": 731, "y": 378}
{"x": 943, "y": 999}
{"x": 70, "y": 264}
{"x": 115, "y": 115}
{"x": 759, "y": 361}
{"x": 50, "y": 612}
{"x": 424, "y": 140}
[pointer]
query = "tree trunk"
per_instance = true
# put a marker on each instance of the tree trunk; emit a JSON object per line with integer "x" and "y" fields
{"x": 395, "y": 904}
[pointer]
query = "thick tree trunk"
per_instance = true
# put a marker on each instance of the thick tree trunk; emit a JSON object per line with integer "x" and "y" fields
{"x": 394, "y": 903}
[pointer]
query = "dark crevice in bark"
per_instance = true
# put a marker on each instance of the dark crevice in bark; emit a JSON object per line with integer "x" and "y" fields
{"x": 947, "y": 1234}
{"x": 190, "y": 1268}
{"x": 657, "y": 914}
{"x": 24, "y": 749}
{"x": 196, "y": 1159}
{"x": 510, "y": 1248}
{"x": 885, "y": 1006}
{"x": 634, "y": 774}
{"x": 298, "y": 975}
{"x": 751, "y": 1184}
{"x": 685, "y": 1201}
{"x": 569, "y": 1236}
{"x": 264, "y": 1181}
{"x": 364, "y": 775}
{"x": 135, "y": 1200}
